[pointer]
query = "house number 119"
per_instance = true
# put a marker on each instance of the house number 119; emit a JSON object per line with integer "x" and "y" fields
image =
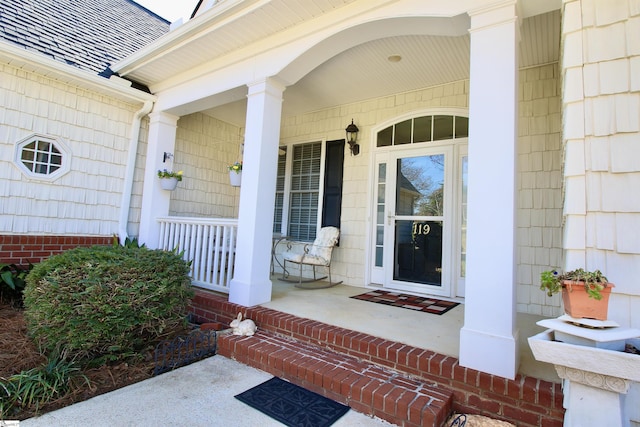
{"x": 421, "y": 229}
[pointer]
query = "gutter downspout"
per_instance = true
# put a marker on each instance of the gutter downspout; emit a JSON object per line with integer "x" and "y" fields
{"x": 125, "y": 204}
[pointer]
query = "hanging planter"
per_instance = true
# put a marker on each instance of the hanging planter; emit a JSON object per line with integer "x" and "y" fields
{"x": 169, "y": 183}
{"x": 169, "y": 180}
{"x": 235, "y": 178}
{"x": 235, "y": 174}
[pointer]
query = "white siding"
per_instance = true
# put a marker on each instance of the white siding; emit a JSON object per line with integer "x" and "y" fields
{"x": 205, "y": 147}
{"x": 95, "y": 128}
{"x": 539, "y": 213}
{"x": 601, "y": 133}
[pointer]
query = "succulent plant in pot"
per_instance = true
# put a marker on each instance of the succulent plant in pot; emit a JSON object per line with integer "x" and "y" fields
{"x": 585, "y": 294}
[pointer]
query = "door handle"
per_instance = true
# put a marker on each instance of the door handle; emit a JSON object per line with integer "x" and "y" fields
{"x": 389, "y": 218}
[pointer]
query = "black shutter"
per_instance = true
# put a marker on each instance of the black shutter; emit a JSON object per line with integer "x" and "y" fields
{"x": 333, "y": 168}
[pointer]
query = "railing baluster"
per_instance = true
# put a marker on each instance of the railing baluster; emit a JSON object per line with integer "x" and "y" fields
{"x": 163, "y": 235}
{"x": 210, "y": 254}
{"x": 216, "y": 256}
{"x": 209, "y": 243}
{"x": 192, "y": 255}
{"x": 172, "y": 233}
{"x": 198, "y": 264}
{"x": 232, "y": 253}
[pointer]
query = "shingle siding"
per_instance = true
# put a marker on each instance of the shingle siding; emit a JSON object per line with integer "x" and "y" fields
{"x": 539, "y": 213}
{"x": 602, "y": 169}
{"x": 95, "y": 129}
{"x": 205, "y": 147}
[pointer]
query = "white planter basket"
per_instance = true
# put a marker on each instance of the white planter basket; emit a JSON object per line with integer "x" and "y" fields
{"x": 235, "y": 178}
{"x": 169, "y": 183}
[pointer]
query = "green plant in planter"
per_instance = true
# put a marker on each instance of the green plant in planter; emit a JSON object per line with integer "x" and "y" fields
{"x": 170, "y": 174}
{"x": 595, "y": 281}
{"x": 236, "y": 167}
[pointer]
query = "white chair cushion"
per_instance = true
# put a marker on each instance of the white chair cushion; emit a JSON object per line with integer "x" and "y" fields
{"x": 319, "y": 252}
{"x": 315, "y": 260}
{"x": 324, "y": 243}
{"x": 292, "y": 257}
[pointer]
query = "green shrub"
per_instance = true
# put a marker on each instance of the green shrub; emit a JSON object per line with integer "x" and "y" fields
{"x": 106, "y": 302}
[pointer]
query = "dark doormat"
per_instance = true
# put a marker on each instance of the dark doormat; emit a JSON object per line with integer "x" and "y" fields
{"x": 292, "y": 405}
{"x": 412, "y": 302}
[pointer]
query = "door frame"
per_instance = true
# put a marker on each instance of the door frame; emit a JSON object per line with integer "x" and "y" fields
{"x": 391, "y": 157}
{"x": 459, "y": 149}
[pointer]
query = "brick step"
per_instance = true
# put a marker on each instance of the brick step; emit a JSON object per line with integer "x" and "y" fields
{"x": 525, "y": 401}
{"x": 363, "y": 386}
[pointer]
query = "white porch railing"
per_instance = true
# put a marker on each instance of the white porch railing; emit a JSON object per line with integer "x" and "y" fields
{"x": 209, "y": 243}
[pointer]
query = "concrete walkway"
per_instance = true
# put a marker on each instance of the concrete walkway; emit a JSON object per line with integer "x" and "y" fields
{"x": 200, "y": 394}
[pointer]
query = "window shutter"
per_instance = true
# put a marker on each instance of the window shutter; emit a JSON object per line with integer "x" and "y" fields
{"x": 333, "y": 172}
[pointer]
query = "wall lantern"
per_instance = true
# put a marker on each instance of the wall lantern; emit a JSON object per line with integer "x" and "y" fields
{"x": 352, "y": 137}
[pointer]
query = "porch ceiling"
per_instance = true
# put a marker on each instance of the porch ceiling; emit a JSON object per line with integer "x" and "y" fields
{"x": 358, "y": 73}
{"x": 365, "y": 71}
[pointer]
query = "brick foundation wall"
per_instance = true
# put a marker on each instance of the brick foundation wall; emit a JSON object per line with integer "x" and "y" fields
{"x": 22, "y": 249}
{"x": 525, "y": 401}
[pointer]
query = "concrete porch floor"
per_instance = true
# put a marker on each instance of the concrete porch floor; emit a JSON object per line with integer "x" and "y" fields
{"x": 439, "y": 333}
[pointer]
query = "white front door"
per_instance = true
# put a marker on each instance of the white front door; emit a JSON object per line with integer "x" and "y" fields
{"x": 420, "y": 223}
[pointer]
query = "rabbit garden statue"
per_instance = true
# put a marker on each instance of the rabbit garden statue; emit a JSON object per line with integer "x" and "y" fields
{"x": 243, "y": 327}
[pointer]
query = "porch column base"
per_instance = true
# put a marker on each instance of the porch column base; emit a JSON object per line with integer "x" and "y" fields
{"x": 249, "y": 294}
{"x": 493, "y": 354}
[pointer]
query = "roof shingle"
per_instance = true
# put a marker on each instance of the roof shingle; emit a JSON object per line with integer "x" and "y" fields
{"x": 90, "y": 35}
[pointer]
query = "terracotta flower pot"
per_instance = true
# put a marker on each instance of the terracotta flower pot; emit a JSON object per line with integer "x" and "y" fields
{"x": 578, "y": 304}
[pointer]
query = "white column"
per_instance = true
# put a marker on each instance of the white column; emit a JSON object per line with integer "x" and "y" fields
{"x": 155, "y": 200}
{"x": 251, "y": 284}
{"x": 489, "y": 339}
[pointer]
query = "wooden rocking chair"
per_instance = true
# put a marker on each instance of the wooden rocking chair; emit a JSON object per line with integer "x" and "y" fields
{"x": 317, "y": 254}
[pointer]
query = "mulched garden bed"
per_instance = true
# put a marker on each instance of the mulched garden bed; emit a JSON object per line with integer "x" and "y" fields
{"x": 18, "y": 353}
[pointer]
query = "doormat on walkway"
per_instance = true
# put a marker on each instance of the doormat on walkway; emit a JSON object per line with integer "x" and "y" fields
{"x": 292, "y": 405}
{"x": 412, "y": 302}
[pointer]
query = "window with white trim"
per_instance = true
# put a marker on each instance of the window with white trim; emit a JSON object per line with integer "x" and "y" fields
{"x": 278, "y": 213}
{"x": 304, "y": 199}
{"x": 424, "y": 129}
{"x": 298, "y": 191}
{"x": 42, "y": 157}
{"x": 305, "y": 191}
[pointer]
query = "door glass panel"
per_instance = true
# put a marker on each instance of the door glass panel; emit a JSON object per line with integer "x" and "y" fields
{"x": 418, "y": 252}
{"x": 442, "y": 127}
{"x": 422, "y": 129}
{"x": 385, "y": 137}
{"x": 418, "y": 240}
{"x": 382, "y": 178}
{"x": 462, "y": 127}
{"x": 420, "y": 186}
{"x": 403, "y": 133}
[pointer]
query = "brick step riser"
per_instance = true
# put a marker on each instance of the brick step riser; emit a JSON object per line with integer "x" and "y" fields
{"x": 524, "y": 401}
{"x": 364, "y": 387}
